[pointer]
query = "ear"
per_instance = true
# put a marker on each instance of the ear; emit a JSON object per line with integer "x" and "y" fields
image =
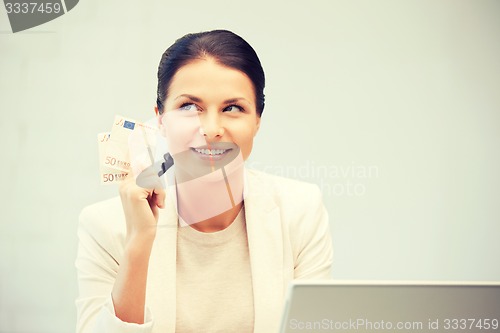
{"x": 160, "y": 121}
{"x": 257, "y": 126}
{"x": 158, "y": 116}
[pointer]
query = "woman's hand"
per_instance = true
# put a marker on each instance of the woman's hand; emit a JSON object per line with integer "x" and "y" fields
{"x": 141, "y": 208}
{"x": 141, "y": 214}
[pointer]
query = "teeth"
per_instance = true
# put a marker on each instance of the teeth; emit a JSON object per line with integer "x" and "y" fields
{"x": 211, "y": 151}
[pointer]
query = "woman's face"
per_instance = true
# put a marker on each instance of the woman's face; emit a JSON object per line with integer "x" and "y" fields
{"x": 210, "y": 116}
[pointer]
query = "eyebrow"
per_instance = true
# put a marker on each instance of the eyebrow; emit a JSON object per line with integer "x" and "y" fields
{"x": 199, "y": 100}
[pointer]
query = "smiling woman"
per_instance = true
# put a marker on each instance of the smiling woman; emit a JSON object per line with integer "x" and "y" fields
{"x": 217, "y": 252}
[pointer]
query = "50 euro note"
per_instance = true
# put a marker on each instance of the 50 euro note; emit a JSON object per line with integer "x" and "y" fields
{"x": 108, "y": 175}
{"x": 129, "y": 147}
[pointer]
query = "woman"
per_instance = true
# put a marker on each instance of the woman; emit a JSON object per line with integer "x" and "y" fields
{"x": 218, "y": 251}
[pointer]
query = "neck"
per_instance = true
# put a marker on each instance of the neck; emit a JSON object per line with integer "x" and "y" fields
{"x": 219, "y": 222}
{"x": 211, "y": 203}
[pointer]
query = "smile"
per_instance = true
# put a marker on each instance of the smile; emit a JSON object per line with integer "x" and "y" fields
{"x": 211, "y": 152}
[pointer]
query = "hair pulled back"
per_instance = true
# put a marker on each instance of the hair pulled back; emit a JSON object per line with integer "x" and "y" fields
{"x": 227, "y": 48}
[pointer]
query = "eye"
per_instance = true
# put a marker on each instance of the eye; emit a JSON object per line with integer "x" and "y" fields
{"x": 233, "y": 108}
{"x": 189, "y": 107}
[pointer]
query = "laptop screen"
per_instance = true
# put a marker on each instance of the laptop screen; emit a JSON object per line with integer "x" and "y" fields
{"x": 347, "y": 306}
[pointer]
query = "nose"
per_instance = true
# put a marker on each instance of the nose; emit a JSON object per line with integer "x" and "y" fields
{"x": 211, "y": 127}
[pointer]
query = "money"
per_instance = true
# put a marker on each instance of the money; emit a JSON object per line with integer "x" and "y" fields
{"x": 108, "y": 175}
{"x": 129, "y": 141}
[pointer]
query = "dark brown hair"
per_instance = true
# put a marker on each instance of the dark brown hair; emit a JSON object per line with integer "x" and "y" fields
{"x": 225, "y": 47}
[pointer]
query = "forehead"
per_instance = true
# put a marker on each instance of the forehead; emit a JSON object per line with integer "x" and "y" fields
{"x": 206, "y": 78}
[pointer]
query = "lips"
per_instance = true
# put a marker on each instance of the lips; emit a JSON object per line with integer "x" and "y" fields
{"x": 211, "y": 152}
{"x": 214, "y": 151}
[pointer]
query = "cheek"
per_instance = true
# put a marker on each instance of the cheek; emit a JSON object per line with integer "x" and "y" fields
{"x": 181, "y": 130}
{"x": 243, "y": 137}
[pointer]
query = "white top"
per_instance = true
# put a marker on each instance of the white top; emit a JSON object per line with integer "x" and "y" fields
{"x": 288, "y": 239}
{"x": 214, "y": 269}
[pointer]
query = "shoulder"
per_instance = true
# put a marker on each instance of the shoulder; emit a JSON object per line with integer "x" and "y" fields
{"x": 295, "y": 199}
{"x": 283, "y": 190}
{"x": 301, "y": 215}
{"x": 104, "y": 222}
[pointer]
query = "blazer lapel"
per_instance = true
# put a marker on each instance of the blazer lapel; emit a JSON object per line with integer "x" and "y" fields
{"x": 265, "y": 243}
{"x": 161, "y": 290}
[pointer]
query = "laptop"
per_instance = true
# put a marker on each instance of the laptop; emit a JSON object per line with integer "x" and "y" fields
{"x": 391, "y": 306}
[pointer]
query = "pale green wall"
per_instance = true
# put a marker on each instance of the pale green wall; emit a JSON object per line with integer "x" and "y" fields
{"x": 397, "y": 100}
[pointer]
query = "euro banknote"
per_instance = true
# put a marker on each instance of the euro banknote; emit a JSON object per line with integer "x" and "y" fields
{"x": 128, "y": 145}
{"x": 108, "y": 174}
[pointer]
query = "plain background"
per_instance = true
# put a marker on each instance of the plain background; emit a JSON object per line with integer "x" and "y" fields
{"x": 399, "y": 101}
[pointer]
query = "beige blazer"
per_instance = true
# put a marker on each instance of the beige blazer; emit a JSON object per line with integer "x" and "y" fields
{"x": 288, "y": 238}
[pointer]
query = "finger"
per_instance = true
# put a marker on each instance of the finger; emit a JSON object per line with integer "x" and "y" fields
{"x": 124, "y": 185}
{"x": 130, "y": 191}
{"x": 160, "y": 197}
